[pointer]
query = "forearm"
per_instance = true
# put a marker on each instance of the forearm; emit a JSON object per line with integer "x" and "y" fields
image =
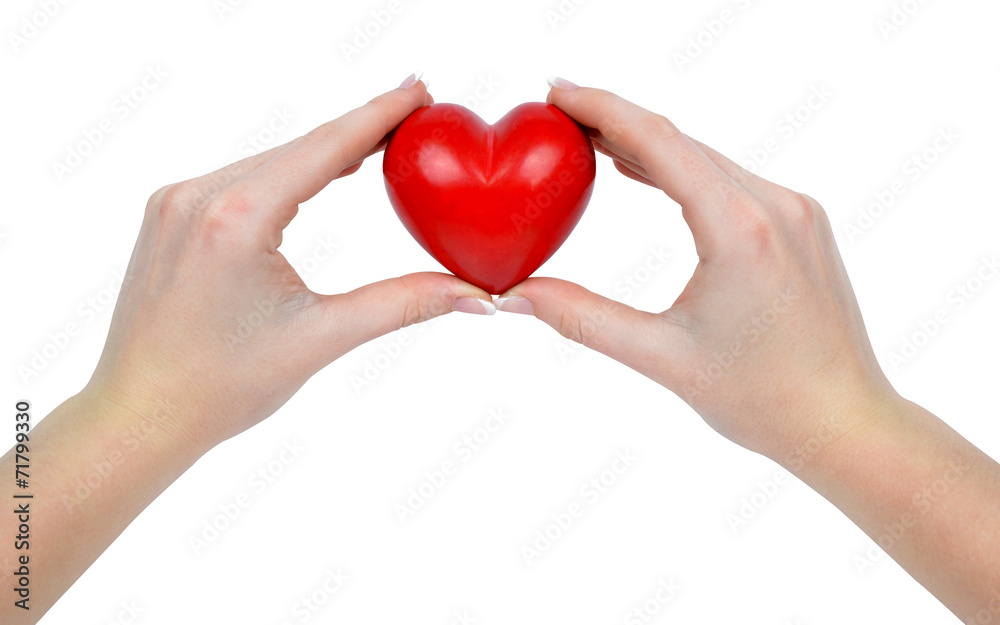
{"x": 926, "y": 495}
{"x": 94, "y": 467}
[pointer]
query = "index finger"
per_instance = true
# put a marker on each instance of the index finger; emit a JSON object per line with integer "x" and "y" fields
{"x": 671, "y": 159}
{"x": 311, "y": 162}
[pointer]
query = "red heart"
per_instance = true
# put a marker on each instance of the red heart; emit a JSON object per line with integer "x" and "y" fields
{"x": 490, "y": 203}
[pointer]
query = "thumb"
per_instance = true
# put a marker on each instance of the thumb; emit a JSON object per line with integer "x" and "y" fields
{"x": 637, "y": 339}
{"x": 368, "y": 312}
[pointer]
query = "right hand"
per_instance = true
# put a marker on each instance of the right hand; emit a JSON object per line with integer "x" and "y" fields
{"x": 766, "y": 341}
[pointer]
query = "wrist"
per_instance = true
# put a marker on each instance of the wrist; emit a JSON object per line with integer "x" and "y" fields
{"x": 147, "y": 424}
{"x": 841, "y": 433}
{"x": 922, "y": 493}
{"x": 865, "y": 454}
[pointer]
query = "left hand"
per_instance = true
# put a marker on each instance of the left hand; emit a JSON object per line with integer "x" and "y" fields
{"x": 212, "y": 320}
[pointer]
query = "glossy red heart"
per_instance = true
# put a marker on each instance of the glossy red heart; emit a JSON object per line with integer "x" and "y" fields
{"x": 490, "y": 203}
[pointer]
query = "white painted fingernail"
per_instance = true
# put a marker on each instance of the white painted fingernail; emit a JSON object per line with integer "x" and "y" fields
{"x": 515, "y": 304}
{"x": 411, "y": 80}
{"x": 561, "y": 83}
{"x": 474, "y": 306}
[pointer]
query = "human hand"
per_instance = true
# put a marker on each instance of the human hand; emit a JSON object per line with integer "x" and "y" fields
{"x": 766, "y": 341}
{"x": 206, "y": 269}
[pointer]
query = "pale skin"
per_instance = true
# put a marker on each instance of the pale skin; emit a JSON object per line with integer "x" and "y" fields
{"x": 807, "y": 392}
{"x": 770, "y": 297}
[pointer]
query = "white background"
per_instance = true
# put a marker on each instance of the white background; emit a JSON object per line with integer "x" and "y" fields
{"x": 668, "y": 517}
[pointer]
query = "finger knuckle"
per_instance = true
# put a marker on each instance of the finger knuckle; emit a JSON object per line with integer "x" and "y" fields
{"x": 156, "y": 198}
{"x": 422, "y": 300}
{"x": 760, "y": 233}
{"x": 385, "y": 121}
{"x": 584, "y": 326}
{"x": 224, "y": 213}
{"x": 755, "y": 222}
{"x": 329, "y": 137}
{"x": 319, "y": 135}
{"x": 603, "y": 97}
{"x": 651, "y": 134}
{"x": 571, "y": 327}
{"x": 229, "y": 201}
{"x": 172, "y": 200}
{"x": 413, "y": 312}
{"x": 802, "y": 208}
{"x": 612, "y": 124}
{"x": 659, "y": 127}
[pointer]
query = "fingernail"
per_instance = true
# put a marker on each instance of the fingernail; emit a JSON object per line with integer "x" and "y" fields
{"x": 411, "y": 80}
{"x": 561, "y": 83}
{"x": 474, "y": 306}
{"x": 515, "y": 304}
